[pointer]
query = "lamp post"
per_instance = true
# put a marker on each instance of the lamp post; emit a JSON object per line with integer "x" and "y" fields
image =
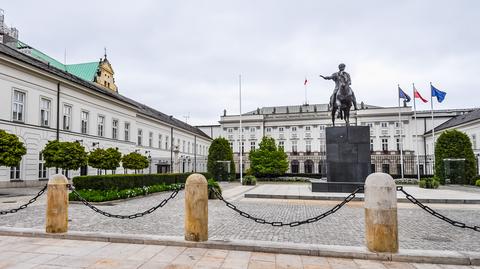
{"x": 149, "y": 161}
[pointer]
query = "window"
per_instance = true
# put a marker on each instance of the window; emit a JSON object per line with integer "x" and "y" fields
{"x": 307, "y": 128}
{"x": 384, "y": 124}
{"x": 231, "y": 145}
{"x": 322, "y": 128}
{"x": 252, "y": 130}
{"x": 398, "y": 144}
{"x": 269, "y": 130}
{"x": 150, "y": 139}
{"x": 386, "y": 168}
{"x": 281, "y": 144}
{"x": 42, "y": 170}
{"x": 18, "y": 106}
{"x": 44, "y": 112}
{"x": 101, "y": 126}
{"x": 183, "y": 146}
{"x": 294, "y": 128}
{"x": 166, "y": 142}
{"x": 188, "y": 147}
{"x": 67, "y": 117}
{"x": 294, "y": 146}
{"x": 230, "y": 130}
{"x": 385, "y": 144}
{"x": 371, "y": 144}
{"x": 243, "y": 147}
{"x": 372, "y": 168}
{"x": 474, "y": 141}
{"x": 308, "y": 147}
{"x": 115, "y": 129}
{"x": 15, "y": 172}
{"x": 84, "y": 123}
{"x": 252, "y": 145}
{"x": 127, "y": 131}
{"x": 280, "y": 129}
{"x": 160, "y": 141}
{"x": 139, "y": 137}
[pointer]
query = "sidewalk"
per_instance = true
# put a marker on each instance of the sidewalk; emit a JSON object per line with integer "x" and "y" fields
{"x": 444, "y": 195}
{"x": 28, "y": 252}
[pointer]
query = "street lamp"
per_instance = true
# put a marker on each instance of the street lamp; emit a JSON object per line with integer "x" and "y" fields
{"x": 149, "y": 161}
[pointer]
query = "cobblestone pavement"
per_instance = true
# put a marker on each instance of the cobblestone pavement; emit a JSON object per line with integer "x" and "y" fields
{"x": 417, "y": 229}
{"x": 22, "y": 252}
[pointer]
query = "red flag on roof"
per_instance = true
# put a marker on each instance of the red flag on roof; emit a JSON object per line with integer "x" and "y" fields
{"x": 417, "y": 95}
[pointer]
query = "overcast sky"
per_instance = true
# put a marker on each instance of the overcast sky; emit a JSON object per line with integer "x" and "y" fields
{"x": 184, "y": 57}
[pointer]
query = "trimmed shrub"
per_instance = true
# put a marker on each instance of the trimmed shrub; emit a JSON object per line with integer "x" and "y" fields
{"x": 454, "y": 144}
{"x": 429, "y": 183}
{"x": 220, "y": 157}
{"x": 213, "y": 184}
{"x": 130, "y": 181}
{"x": 477, "y": 183}
{"x": 249, "y": 180}
{"x": 268, "y": 159}
{"x": 11, "y": 149}
{"x": 109, "y": 195}
{"x": 406, "y": 181}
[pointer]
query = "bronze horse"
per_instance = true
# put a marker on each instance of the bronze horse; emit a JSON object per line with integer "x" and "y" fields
{"x": 343, "y": 104}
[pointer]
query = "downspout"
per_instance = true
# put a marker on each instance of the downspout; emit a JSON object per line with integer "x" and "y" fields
{"x": 58, "y": 118}
{"x": 171, "y": 149}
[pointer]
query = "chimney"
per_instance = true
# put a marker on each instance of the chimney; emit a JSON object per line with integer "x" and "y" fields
{"x": 224, "y": 112}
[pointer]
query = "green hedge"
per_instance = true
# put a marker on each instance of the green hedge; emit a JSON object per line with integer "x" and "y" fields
{"x": 109, "y": 195}
{"x": 429, "y": 183}
{"x": 477, "y": 183}
{"x": 129, "y": 181}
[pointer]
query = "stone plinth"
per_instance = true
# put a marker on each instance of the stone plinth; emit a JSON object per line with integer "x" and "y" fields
{"x": 348, "y": 159}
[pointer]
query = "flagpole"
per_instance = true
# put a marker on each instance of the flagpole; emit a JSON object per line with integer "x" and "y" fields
{"x": 305, "y": 84}
{"x": 433, "y": 129}
{"x": 416, "y": 131}
{"x": 400, "y": 131}
{"x": 241, "y": 130}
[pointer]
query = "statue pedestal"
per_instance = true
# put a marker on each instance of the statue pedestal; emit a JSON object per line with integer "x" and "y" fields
{"x": 348, "y": 159}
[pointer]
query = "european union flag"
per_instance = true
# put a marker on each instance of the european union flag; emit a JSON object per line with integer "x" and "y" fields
{"x": 438, "y": 93}
{"x": 403, "y": 95}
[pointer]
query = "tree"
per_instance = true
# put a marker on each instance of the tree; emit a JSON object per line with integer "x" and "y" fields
{"x": 105, "y": 159}
{"x": 455, "y": 145}
{"x": 11, "y": 149}
{"x": 220, "y": 155}
{"x": 268, "y": 160}
{"x": 64, "y": 155}
{"x": 135, "y": 161}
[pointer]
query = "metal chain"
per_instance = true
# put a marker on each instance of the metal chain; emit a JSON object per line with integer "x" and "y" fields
{"x": 293, "y": 223}
{"x": 435, "y": 213}
{"x": 31, "y": 201}
{"x": 132, "y": 216}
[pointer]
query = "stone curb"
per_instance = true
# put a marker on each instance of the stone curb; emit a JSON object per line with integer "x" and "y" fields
{"x": 351, "y": 252}
{"x": 335, "y": 198}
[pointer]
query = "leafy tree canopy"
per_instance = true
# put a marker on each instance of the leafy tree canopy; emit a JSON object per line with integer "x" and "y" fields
{"x": 65, "y": 155}
{"x": 220, "y": 155}
{"x": 268, "y": 160}
{"x": 106, "y": 159}
{"x": 453, "y": 144}
{"x": 134, "y": 161}
{"x": 11, "y": 149}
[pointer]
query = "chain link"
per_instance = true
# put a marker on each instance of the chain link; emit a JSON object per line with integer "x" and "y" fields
{"x": 31, "y": 201}
{"x": 434, "y": 213}
{"x": 132, "y": 216}
{"x": 290, "y": 224}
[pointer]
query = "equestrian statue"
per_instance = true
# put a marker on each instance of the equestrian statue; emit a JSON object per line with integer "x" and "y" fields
{"x": 343, "y": 97}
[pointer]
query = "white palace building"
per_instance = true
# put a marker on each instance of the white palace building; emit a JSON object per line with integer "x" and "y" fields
{"x": 42, "y": 100}
{"x": 300, "y": 130}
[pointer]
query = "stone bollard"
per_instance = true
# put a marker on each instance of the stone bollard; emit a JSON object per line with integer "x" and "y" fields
{"x": 381, "y": 227}
{"x": 196, "y": 208}
{"x": 57, "y": 205}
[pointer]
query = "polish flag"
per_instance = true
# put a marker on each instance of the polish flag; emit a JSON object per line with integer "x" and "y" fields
{"x": 417, "y": 95}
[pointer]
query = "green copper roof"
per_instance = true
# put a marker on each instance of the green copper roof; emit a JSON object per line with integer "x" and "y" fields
{"x": 85, "y": 71}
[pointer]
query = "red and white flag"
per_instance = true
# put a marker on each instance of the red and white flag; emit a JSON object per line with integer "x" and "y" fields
{"x": 305, "y": 83}
{"x": 417, "y": 95}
